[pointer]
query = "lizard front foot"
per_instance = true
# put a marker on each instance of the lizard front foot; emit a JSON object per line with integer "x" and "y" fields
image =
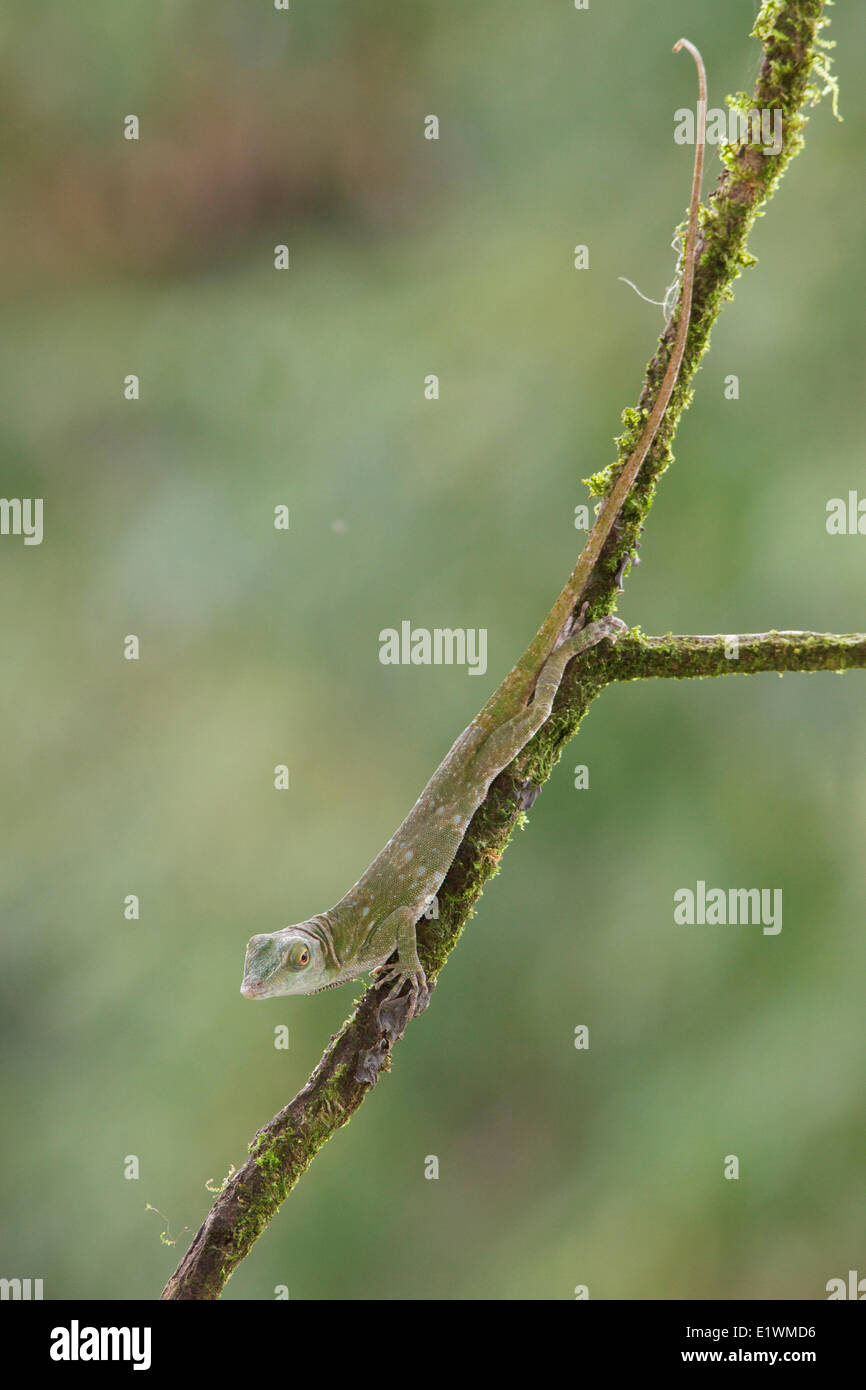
{"x": 418, "y": 995}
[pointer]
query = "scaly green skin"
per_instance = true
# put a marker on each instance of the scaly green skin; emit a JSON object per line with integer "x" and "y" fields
{"x": 378, "y": 915}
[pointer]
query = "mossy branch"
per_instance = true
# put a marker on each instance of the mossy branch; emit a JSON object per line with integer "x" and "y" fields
{"x": 680, "y": 658}
{"x": 794, "y": 55}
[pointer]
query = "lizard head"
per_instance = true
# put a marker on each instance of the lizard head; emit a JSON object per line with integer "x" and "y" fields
{"x": 291, "y": 961}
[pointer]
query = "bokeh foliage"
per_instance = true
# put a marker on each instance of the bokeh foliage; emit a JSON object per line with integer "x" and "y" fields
{"x": 557, "y": 1167}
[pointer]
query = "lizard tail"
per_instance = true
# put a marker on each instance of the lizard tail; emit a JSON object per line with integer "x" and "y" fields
{"x": 517, "y": 686}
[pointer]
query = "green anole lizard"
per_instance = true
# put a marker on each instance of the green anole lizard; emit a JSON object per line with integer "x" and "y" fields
{"x": 379, "y": 914}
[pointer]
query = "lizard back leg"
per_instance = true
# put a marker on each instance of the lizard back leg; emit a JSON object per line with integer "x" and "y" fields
{"x": 506, "y": 742}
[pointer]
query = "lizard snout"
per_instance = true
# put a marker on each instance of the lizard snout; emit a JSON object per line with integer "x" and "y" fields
{"x": 258, "y": 967}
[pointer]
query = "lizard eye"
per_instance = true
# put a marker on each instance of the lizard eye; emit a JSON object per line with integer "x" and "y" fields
{"x": 298, "y": 957}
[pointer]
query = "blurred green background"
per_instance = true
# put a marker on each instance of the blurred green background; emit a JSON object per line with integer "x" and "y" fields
{"x": 557, "y": 1167}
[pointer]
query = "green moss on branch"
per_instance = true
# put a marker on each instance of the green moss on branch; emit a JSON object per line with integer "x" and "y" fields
{"x": 280, "y": 1153}
{"x": 683, "y": 658}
